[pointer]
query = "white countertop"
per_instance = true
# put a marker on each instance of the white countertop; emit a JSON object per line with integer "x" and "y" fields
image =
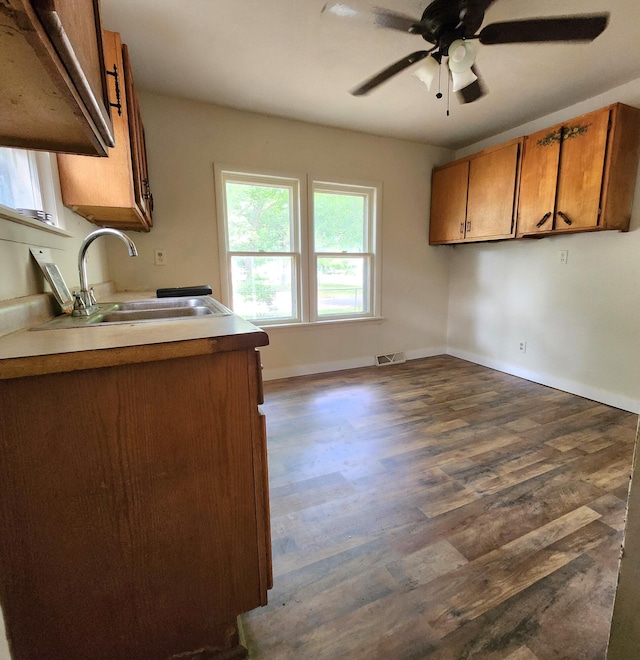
{"x": 33, "y": 352}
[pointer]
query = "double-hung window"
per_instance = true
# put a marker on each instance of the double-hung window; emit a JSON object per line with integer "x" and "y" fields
{"x": 294, "y": 251}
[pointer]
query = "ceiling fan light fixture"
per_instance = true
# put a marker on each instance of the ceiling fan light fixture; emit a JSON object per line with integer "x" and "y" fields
{"x": 471, "y": 92}
{"x": 462, "y": 80}
{"x": 427, "y": 72}
{"x": 462, "y": 55}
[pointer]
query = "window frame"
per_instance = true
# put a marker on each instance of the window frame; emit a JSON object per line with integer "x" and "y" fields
{"x": 298, "y": 235}
{"x": 46, "y": 166}
{"x": 370, "y": 252}
{"x": 305, "y": 270}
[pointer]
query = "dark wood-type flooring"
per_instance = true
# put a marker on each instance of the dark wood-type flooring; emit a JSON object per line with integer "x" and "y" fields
{"x": 440, "y": 509}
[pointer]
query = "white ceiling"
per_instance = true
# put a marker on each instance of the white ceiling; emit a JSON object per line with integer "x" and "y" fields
{"x": 282, "y": 58}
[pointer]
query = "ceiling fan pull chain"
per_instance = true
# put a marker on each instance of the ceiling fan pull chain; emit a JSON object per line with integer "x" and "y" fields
{"x": 545, "y": 217}
{"x": 565, "y": 217}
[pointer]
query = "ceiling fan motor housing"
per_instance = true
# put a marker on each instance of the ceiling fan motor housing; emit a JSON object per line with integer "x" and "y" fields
{"x": 444, "y": 21}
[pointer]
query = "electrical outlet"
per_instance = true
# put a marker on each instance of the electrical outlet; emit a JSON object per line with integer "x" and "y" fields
{"x": 522, "y": 346}
{"x": 564, "y": 256}
{"x": 159, "y": 257}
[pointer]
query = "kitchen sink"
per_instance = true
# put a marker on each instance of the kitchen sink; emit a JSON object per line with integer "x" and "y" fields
{"x": 140, "y": 311}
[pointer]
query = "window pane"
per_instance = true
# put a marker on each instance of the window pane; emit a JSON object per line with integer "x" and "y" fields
{"x": 343, "y": 286}
{"x": 19, "y": 186}
{"x": 263, "y": 287}
{"x": 339, "y": 222}
{"x": 259, "y": 217}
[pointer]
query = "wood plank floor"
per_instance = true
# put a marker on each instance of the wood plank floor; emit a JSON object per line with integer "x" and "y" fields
{"x": 439, "y": 509}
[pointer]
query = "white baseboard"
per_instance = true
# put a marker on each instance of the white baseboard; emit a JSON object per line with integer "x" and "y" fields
{"x": 565, "y": 385}
{"x": 340, "y": 365}
{"x": 573, "y": 387}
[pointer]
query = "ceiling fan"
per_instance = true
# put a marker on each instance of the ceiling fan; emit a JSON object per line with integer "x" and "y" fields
{"x": 452, "y": 27}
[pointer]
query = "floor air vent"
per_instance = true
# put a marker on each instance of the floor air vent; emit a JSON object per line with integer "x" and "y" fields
{"x": 391, "y": 358}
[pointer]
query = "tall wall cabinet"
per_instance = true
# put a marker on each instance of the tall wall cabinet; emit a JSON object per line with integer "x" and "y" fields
{"x": 113, "y": 191}
{"x": 573, "y": 177}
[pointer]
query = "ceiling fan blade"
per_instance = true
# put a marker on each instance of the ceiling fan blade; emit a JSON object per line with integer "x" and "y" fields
{"x": 569, "y": 28}
{"x": 390, "y": 71}
{"x": 381, "y": 17}
{"x": 391, "y": 19}
{"x": 472, "y": 14}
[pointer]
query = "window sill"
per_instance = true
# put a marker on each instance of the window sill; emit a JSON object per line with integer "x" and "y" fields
{"x": 12, "y": 216}
{"x": 319, "y": 324}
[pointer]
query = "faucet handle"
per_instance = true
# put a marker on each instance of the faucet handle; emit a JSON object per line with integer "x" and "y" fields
{"x": 78, "y": 303}
{"x": 92, "y": 297}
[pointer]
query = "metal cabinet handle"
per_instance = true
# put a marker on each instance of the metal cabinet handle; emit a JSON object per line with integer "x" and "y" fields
{"x": 462, "y": 229}
{"x": 565, "y": 217}
{"x": 118, "y": 103}
{"x": 545, "y": 217}
{"x": 147, "y": 193}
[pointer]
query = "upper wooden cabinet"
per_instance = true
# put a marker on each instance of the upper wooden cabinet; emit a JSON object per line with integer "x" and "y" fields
{"x": 576, "y": 176}
{"x": 449, "y": 203}
{"x": 474, "y": 199}
{"x": 113, "y": 191}
{"x": 580, "y": 175}
{"x": 53, "y": 91}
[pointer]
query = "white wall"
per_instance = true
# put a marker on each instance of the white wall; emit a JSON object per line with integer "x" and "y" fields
{"x": 581, "y": 321}
{"x": 186, "y": 138}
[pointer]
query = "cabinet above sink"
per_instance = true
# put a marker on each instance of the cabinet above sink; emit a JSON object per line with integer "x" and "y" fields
{"x": 53, "y": 90}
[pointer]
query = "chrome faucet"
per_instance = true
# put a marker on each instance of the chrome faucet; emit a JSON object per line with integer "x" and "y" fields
{"x": 84, "y": 300}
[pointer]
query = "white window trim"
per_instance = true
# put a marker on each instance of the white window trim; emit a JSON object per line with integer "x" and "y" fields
{"x": 306, "y": 282}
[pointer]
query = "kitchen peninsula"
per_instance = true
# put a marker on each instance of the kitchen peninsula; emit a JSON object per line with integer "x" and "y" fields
{"x": 135, "y": 499}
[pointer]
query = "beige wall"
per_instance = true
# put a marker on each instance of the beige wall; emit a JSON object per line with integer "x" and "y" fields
{"x": 581, "y": 321}
{"x": 184, "y": 141}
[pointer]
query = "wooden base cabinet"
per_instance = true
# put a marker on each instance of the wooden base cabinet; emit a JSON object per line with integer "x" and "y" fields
{"x": 134, "y": 509}
{"x": 114, "y": 191}
{"x": 474, "y": 199}
{"x": 580, "y": 175}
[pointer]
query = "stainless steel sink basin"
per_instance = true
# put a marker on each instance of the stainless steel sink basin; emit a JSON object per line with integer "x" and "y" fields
{"x": 140, "y": 311}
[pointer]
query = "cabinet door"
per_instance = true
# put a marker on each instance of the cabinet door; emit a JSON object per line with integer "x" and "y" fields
{"x": 113, "y": 191}
{"x": 75, "y": 30}
{"x": 52, "y": 80}
{"x": 582, "y": 155}
{"x": 141, "y": 189}
{"x": 448, "y": 203}
{"x": 538, "y": 181}
{"x": 493, "y": 180}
